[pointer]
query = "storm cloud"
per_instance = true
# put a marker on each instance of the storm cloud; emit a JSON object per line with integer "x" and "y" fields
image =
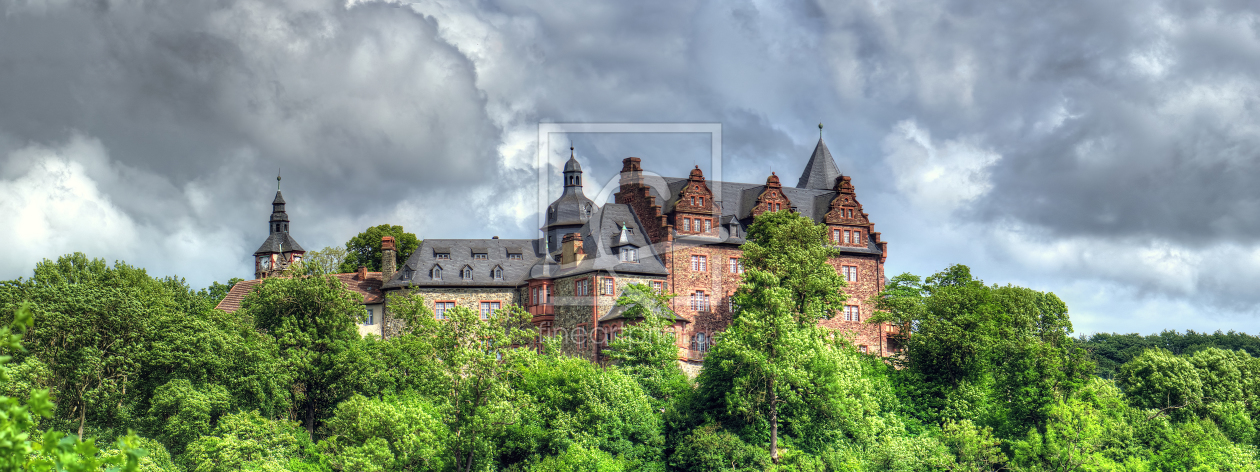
{"x": 1101, "y": 150}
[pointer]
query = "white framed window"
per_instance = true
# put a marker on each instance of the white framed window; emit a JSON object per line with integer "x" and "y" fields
{"x": 737, "y": 265}
{"x": 488, "y": 308}
{"x": 607, "y": 286}
{"x": 439, "y": 309}
{"x": 658, "y": 286}
{"x": 835, "y": 236}
{"x": 702, "y": 342}
{"x": 686, "y": 224}
{"x": 700, "y": 301}
{"x": 371, "y": 319}
{"x": 699, "y": 263}
{"x": 629, "y": 254}
{"x": 846, "y": 236}
{"x": 862, "y": 349}
{"x": 707, "y": 225}
{"x": 857, "y": 237}
{"x": 849, "y": 272}
{"x": 851, "y": 313}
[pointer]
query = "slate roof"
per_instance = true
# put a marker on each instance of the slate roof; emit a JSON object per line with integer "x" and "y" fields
{"x": 276, "y": 241}
{"x": 601, "y": 238}
{"x": 415, "y": 270}
{"x": 369, "y": 288}
{"x": 821, "y": 171}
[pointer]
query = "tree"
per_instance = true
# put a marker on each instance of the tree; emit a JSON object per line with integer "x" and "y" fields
{"x": 644, "y": 349}
{"x": 1162, "y": 382}
{"x": 324, "y": 261}
{"x": 472, "y": 359}
{"x": 248, "y": 441}
{"x": 393, "y": 433}
{"x": 365, "y": 248}
{"x": 216, "y": 291}
{"x": 770, "y": 351}
{"x": 313, "y": 321}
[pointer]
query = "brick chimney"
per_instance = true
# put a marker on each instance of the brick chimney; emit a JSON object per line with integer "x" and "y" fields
{"x": 571, "y": 249}
{"x": 389, "y": 261}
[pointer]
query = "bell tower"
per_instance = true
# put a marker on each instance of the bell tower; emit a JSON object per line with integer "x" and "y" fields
{"x": 279, "y": 251}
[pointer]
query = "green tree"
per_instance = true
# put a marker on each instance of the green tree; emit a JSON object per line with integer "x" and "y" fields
{"x": 216, "y": 291}
{"x": 393, "y": 433}
{"x": 645, "y": 349}
{"x": 773, "y": 355}
{"x": 248, "y": 441}
{"x": 313, "y": 321}
{"x": 472, "y": 359}
{"x": 1160, "y": 381}
{"x": 365, "y": 248}
{"x": 324, "y": 261}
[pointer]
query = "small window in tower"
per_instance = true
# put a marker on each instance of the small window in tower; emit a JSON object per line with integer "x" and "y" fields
{"x": 587, "y": 210}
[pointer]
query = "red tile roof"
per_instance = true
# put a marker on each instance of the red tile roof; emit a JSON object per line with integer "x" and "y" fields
{"x": 369, "y": 287}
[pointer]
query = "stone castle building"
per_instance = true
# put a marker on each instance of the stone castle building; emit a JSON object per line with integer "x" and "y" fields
{"x": 676, "y": 235}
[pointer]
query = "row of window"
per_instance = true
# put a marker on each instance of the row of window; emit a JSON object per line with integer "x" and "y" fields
{"x": 704, "y": 225}
{"x": 700, "y": 263}
{"x": 478, "y": 256}
{"x": 846, "y": 236}
{"x": 439, "y": 309}
{"x": 466, "y": 273}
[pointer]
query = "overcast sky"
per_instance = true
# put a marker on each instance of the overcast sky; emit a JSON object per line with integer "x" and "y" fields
{"x": 1101, "y": 150}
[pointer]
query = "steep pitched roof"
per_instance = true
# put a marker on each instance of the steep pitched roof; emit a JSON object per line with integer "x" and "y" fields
{"x": 415, "y": 271}
{"x": 369, "y": 288}
{"x": 821, "y": 171}
{"x": 279, "y": 242}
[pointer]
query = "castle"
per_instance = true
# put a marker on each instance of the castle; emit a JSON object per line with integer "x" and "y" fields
{"x": 668, "y": 233}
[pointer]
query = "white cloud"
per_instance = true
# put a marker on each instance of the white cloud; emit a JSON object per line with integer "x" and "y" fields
{"x": 938, "y": 178}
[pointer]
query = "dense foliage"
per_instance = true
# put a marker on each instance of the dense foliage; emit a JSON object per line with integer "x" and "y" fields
{"x": 986, "y": 378}
{"x": 364, "y": 249}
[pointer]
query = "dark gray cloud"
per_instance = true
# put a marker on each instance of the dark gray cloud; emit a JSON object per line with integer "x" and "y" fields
{"x": 1102, "y": 150}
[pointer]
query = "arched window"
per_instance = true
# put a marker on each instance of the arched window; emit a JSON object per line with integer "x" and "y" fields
{"x": 497, "y": 273}
{"x": 436, "y": 272}
{"x": 466, "y": 273}
{"x": 701, "y": 343}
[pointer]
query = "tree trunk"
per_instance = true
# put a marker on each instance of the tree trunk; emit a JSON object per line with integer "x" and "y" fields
{"x": 310, "y": 415}
{"x": 82, "y": 417}
{"x": 774, "y": 426}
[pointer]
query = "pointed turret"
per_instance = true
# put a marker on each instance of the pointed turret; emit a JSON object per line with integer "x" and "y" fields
{"x": 821, "y": 171}
{"x": 279, "y": 250}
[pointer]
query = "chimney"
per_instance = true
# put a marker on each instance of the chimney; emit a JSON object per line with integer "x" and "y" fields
{"x": 631, "y": 172}
{"x": 388, "y": 260}
{"x": 571, "y": 249}
{"x": 362, "y": 273}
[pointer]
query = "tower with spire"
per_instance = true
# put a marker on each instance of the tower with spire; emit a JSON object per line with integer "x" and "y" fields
{"x": 821, "y": 171}
{"x": 279, "y": 251}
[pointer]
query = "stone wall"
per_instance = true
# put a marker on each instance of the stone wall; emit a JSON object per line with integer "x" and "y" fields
{"x": 860, "y": 292}
{"x": 469, "y": 297}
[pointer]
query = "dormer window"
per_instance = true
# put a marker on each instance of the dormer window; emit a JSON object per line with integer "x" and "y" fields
{"x": 441, "y": 255}
{"x": 435, "y": 273}
{"x": 497, "y": 273}
{"x": 629, "y": 254}
{"x": 515, "y": 256}
{"x": 466, "y": 273}
{"x": 480, "y": 255}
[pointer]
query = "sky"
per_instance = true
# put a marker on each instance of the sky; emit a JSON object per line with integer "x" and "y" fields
{"x": 1104, "y": 151}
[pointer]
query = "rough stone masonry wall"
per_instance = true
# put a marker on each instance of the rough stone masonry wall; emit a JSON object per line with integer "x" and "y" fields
{"x": 572, "y": 310}
{"x": 470, "y": 297}
{"x": 870, "y": 281}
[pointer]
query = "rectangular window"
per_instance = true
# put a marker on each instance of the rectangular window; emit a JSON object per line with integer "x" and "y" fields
{"x": 849, "y": 272}
{"x": 862, "y": 348}
{"x": 686, "y": 224}
{"x": 533, "y": 296}
{"x": 442, "y": 255}
{"x": 658, "y": 286}
{"x": 699, "y": 263}
{"x": 488, "y": 308}
{"x": 707, "y": 226}
{"x": 629, "y": 254}
{"x": 439, "y": 309}
{"x": 608, "y": 286}
{"x": 370, "y": 320}
{"x": 835, "y": 236}
{"x": 547, "y": 294}
{"x": 851, "y": 313}
{"x": 846, "y": 237}
{"x": 737, "y": 265}
{"x": 857, "y": 237}
{"x": 514, "y": 256}
{"x": 700, "y": 301}
{"x": 480, "y": 255}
